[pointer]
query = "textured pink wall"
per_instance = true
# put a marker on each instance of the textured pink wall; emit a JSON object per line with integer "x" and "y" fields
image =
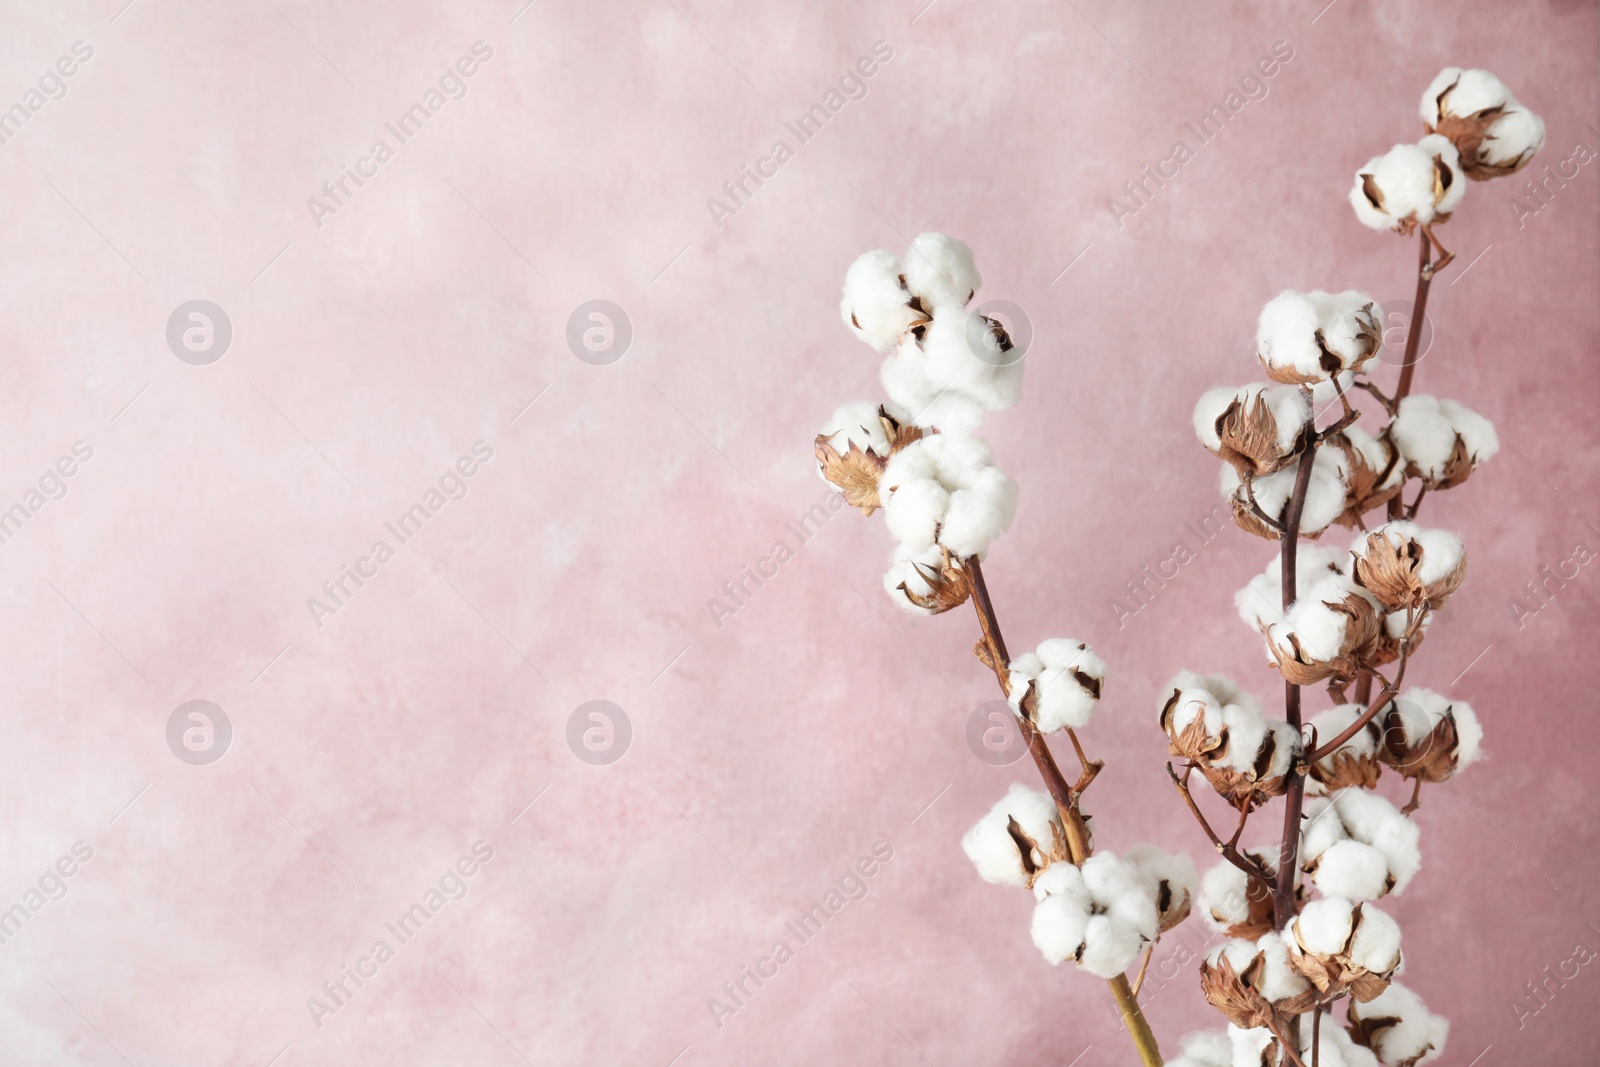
{"x": 771, "y": 752}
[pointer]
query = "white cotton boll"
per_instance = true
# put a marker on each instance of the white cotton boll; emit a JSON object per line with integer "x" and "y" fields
{"x": 1063, "y": 880}
{"x": 857, "y": 424}
{"x": 1415, "y": 1035}
{"x": 1211, "y": 406}
{"x": 875, "y": 304}
{"x": 1442, "y": 550}
{"x": 1403, "y": 178}
{"x": 1224, "y": 896}
{"x": 1335, "y": 721}
{"x": 914, "y": 511}
{"x": 1349, "y": 324}
{"x": 904, "y": 570}
{"x": 1475, "y": 431}
{"x": 1424, "y": 434}
{"x": 1122, "y": 892}
{"x": 1469, "y": 734}
{"x": 1250, "y": 1046}
{"x": 1352, "y": 870}
{"x": 941, "y": 270}
{"x": 1286, "y": 746}
{"x": 1516, "y": 134}
{"x": 1376, "y": 945}
{"x": 1336, "y": 1048}
{"x": 979, "y": 512}
{"x": 1289, "y": 405}
{"x": 1462, "y": 93}
{"x": 1066, "y": 678}
{"x": 1325, "y": 492}
{"x": 1260, "y": 602}
{"x": 1205, "y": 1048}
{"x": 992, "y": 849}
{"x": 1320, "y": 828}
{"x": 1176, "y": 869}
{"x": 1323, "y": 926}
{"x": 1420, "y": 710}
{"x": 1058, "y": 926}
{"x": 1238, "y": 951}
{"x": 1454, "y": 185}
{"x": 1278, "y": 980}
{"x": 1371, "y": 818}
{"x": 1246, "y": 731}
{"x": 1286, "y": 334}
{"x": 1109, "y": 946}
{"x": 1376, "y": 455}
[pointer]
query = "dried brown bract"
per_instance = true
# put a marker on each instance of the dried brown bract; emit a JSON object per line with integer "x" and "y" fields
{"x": 855, "y": 471}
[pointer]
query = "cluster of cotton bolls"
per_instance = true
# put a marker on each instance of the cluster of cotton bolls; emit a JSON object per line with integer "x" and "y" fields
{"x": 1237, "y": 1047}
{"x": 946, "y": 364}
{"x": 1441, "y": 441}
{"x": 943, "y": 489}
{"x": 1357, "y": 845}
{"x": 1219, "y": 728}
{"x": 1475, "y": 129}
{"x": 1327, "y": 632}
{"x": 1057, "y": 686}
{"x": 1099, "y": 915}
{"x": 1493, "y": 133}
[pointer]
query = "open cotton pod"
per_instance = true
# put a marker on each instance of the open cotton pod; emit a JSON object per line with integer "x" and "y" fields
{"x": 1254, "y": 428}
{"x": 1268, "y": 496}
{"x": 1099, "y": 916}
{"x": 1411, "y": 185}
{"x": 1333, "y": 827}
{"x": 1399, "y": 1028}
{"x": 1343, "y": 947}
{"x": 1237, "y": 905}
{"x": 1172, "y": 876}
{"x": 1356, "y": 762}
{"x": 1018, "y": 839}
{"x": 1405, "y": 566}
{"x": 1326, "y": 633}
{"x": 853, "y": 448}
{"x": 1253, "y": 983}
{"x": 1309, "y": 338}
{"x": 1056, "y": 686}
{"x": 942, "y": 489}
{"x": 927, "y": 581}
{"x": 877, "y": 305}
{"x": 1243, "y": 755}
{"x": 1493, "y": 133}
{"x": 1204, "y": 1048}
{"x": 1441, "y": 442}
{"x": 1375, "y": 472}
{"x": 1428, "y": 737}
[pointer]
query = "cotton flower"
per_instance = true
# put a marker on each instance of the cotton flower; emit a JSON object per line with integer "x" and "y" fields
{"x": 1404, "y": 566}
{"x": 1243, "y": 755}
{"x": 1398, "y": 1026}
{"x": 946, "y": 364}
{"x": 1018, "y": 839}
{"x": 1325, "y": 496}
{"x": 1253, "y": 983}
{"x": 1357, "y": 761}
{"x": 1375, "y": 472}
{"x": 1364, "y": 818}
{"x": 1411, "y": 185}
{"x": 1339, "y": 946}
{"x": 1205, "y": 1048}
{"x": 1057, "y": 686}
{"x": 942, "y": 489}
{"x": 1255, "y": 427}
{"x": 1430, "y": 737}
{"x": 854, "y": 446}
{"x": 1441, "y": 441}
{"x": 1260, "y": 602}
{"x": 1235, "y": 904}
{"x": 1494, "y": 134}
{"x": 926, "y": 581}
{"x": 1303, "y": 338}
{"x": 1100, "y": 915}
{"x": 1326, "y": 633}
{"x": 1172, "y": 878}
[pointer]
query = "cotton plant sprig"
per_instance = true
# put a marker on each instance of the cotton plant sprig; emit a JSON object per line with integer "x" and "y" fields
{"x": 1303, "y": 920}
{"x": 916, "y": 456}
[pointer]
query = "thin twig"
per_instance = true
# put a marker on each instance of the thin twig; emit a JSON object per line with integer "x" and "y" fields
{"x": 1224, "y": 849}
{"x": 1382, "y": 699}
{"x": 1138, "y": 982}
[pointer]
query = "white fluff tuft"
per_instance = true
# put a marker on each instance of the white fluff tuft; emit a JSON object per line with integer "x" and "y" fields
{"x": 1066, "y": 677}
{"x": 941, "y": 270}
{"x": 1314, "y": 335}
{"x": 992, "y": 849}
{"x": 1415, "y": 1036}
{"x": 942, "y": 489}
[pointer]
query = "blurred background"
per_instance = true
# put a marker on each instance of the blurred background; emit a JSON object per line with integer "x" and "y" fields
{"x": 263, "y": 346}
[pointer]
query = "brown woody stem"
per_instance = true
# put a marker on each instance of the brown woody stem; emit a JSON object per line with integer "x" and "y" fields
{"x": 1078, "y": 846}
{"x": 1294, "y": 798}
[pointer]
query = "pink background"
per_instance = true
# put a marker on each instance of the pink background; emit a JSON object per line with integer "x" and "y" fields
{"x": 772, "y": 751}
